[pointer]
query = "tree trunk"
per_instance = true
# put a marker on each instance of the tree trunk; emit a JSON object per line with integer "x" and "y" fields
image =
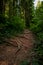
{"x": 1, "y": 6}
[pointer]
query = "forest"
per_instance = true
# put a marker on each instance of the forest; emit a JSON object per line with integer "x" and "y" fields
{"x": 15, "y": 17}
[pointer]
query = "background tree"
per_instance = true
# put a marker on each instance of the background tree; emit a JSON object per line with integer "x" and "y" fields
{"x": 27, "y": 6}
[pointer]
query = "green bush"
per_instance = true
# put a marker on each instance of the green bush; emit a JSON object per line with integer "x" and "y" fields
{"x": 35, "y": 62}
{"x": 17, "y": 23}
{"x": 37, "y": 27}
{"x": 12, "y": 26}
{"x": 25, "y": 62}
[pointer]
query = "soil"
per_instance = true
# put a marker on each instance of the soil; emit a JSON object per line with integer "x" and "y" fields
{"x": 17, "y": 49}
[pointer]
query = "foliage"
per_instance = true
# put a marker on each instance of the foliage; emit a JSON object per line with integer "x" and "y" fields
{"x": 25, "y": 62}
{"x": 14, "y": 25}
{"x": 17, "y": 23}
{"x": 37, "y": 24}
{"x": 37, "y": 27}
{"x": 35, "y": 62}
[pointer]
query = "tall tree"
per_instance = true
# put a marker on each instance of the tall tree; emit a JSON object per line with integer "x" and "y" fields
{"x": 27, "y": 6}
{"x": 1, "y": 6}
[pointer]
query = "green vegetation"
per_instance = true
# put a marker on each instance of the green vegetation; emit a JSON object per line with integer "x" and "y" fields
{"x": 25, "y": 62}
{"x": 16, "y": 24}
{"x": 37, "y": 27}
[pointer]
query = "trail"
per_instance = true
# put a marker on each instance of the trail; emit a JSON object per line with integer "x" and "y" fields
{"x": 17, "y": 49}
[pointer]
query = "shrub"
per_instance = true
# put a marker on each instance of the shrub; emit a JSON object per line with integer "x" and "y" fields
{"x": 37, "y": 28}
{"x": 25, "y": 62}
{"x": 12, "y": 26}
{"x": 17, "y": 23}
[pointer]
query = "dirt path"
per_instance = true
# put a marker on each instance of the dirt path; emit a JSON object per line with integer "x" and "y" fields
{"x": 17, "y": 49}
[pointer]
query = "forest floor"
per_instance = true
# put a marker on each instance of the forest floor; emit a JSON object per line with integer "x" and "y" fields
{"x": 17, "y": 49}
